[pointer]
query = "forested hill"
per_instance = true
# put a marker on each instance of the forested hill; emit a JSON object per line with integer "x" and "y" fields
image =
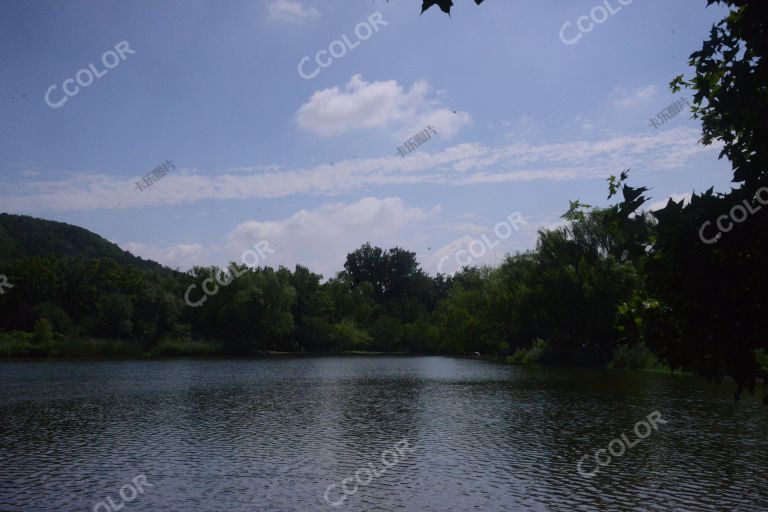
{"x": 22, "y": 236}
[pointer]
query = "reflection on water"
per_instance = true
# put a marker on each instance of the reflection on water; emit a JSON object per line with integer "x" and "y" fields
{"x": 273, "y": 435}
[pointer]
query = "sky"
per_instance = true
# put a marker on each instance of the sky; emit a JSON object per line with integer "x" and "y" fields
{"x": 531, "y": 103}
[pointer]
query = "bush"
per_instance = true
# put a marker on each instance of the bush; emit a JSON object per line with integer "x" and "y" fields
{"x": 635, "y": 356}
{"x": 387, "y": 333}
{"x": 58, "y": 318}
{"x": 16, "y": 344}
{"x": 761, "y": 355}
{"x": 43, "y": 331}
{"x": 539, "y": 348}
{"x": 419, "y": 336}
{"x": 347, "y": 336}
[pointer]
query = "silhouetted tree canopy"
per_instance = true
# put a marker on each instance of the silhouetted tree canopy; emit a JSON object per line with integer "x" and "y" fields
{"x": 444, "y": 5}
{"x": 731, "y": 91}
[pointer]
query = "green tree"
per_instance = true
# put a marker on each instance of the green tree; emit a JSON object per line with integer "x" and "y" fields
{"x": 731, "y": 88}
{"x": 43, "y": 331}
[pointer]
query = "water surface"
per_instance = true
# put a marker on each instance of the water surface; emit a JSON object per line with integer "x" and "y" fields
{"x": 273, "y": 435}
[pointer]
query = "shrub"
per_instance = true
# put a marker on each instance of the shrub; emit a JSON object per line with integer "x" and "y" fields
{"x": 635, "y": 356}
{"x": 539, "y": 348}
{"x": 16, "y": 344}
{"x": 762, "y": 359}
{"x": 347, "y": 336}
{"x": 43, "y": 331}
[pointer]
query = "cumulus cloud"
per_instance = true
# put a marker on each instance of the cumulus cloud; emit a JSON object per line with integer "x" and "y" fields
{"x": 290, "y": 11}
{"x": 622, "y": 97}
{"x": 318, "y": 238}
{"x": 365, "y": 105}
{"x": 321, "y": 238}
{"x": 486, "y": 245}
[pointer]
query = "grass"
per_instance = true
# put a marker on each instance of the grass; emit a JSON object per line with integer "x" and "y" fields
{"x": 23, "y": 345}
{"x": 94, "y": 347}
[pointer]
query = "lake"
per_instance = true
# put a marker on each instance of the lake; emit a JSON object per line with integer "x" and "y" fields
{"x": 372, "y": 433}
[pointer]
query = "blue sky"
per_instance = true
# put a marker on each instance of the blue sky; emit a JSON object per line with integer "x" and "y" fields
{"x": 524, "y": 121}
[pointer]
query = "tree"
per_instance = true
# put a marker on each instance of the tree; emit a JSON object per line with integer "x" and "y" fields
{"x": 115, "y": 315}
{"x": 716, "y": 292}
{"x": 444, "y": 5}
{"x": 465, "y": 319}
{"x": 731, "y": 88}
{"x": 43, "y": 331}
{"x": 312, "y": 309}
{"x": 394, "y": 274}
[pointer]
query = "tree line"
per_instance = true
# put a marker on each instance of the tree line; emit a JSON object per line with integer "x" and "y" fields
{"x": 614, "y": 284}
{"x": 566, "y": 292}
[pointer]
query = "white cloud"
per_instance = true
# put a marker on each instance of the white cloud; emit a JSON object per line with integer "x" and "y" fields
{"x": 470, "y": 228}
{"x": 461, "y": 164}
{"x": 623, "y": 98}
{"x": 378, "y": 105}
{"x": 321, "y": 238}
{"x": 182, "y": 255}
{"x": 524, "y": 128}
{"x": 486, "y": 245}
{"x": 290, "y": 11}
{"x": 585, "y": 123}
{"x": 318, "y": 238}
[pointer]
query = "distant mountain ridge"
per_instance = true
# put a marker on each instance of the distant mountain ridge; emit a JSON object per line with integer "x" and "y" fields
{"x": 22, "y": 236}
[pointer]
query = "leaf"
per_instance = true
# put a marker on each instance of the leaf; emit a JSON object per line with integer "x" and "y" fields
{"x": 445, "y": 5}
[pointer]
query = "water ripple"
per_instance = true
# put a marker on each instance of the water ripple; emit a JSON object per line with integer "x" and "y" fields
{"x": 273, "y": 435}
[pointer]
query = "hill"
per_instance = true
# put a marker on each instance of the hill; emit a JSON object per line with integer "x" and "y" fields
{"x": 22, "y": 236}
